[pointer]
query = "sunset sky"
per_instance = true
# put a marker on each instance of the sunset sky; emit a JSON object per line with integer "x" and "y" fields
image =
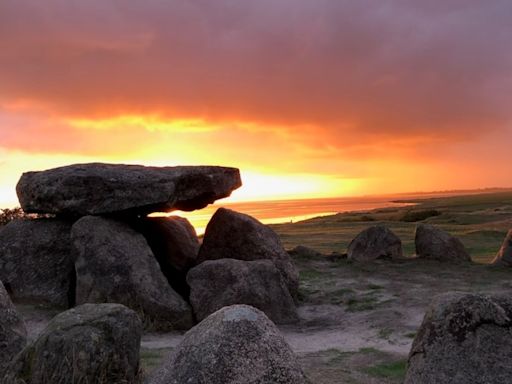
{"x": 309, "y": 98}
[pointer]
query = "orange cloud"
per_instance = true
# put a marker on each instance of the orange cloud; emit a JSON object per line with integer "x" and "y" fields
{"x": 397, "y": 95}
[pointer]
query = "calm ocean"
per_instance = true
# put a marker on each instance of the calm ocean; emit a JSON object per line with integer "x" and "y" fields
{"x": 285, "y": 211}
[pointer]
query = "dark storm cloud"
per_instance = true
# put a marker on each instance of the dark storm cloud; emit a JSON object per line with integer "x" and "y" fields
{"x": 355, "y": 71}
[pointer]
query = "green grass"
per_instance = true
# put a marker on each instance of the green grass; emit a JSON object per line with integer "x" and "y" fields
{"x": 311, "y": 274}
{"x": 385, "y": 333}
{"x": 393, "y": 370}
{"x": 365, "y": 303}
{"x": 480, "y": 221}
{"x": 152, "y": 358}
{"x": 410, "y": 335}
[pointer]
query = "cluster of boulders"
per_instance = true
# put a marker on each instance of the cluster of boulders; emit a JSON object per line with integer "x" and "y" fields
{"x": 101, "y": 246}
{"x": 379, "y": 242}
{"x": 100, "y": 344}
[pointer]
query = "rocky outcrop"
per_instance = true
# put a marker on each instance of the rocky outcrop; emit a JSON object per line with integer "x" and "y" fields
{"x": 234, "y": 235}
{"x": 435, "y": 244}
{"x": 98, "y": 189}
{"x": 219, "y": 283}
{"x": 92, "y": 343}
{"x": 13, "y": 334}
{"x": 115, "y": 264}
{"x": 377, "y": 242}
{"x": 464, "y": 338}
{"x": 504, "y": 256}
{"x": 175, "y": 245}
{"x": 236, "y": 345}
{"x": 35, "y": 261}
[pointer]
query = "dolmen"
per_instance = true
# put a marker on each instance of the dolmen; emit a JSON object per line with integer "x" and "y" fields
{"x": 100, "y": 246}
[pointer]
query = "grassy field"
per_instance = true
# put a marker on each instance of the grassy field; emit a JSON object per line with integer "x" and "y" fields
{"x": 481, "y": 221}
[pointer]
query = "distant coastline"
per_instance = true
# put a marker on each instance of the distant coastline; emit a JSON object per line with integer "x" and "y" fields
{"x": 293, "y": 210}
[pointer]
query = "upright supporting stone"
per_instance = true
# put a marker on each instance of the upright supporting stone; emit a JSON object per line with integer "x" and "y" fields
{"x": 13, "y": 334}
{"x": 115, "y": 264}
{"x": 234, "y": 235}
{"x": 36, "y": 263}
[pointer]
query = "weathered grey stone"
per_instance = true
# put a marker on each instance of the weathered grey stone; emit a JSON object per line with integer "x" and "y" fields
{"x": 13, "y": 334}
{"x": 35, "y": 261}
{"x": 504, "y": 256}
{"x": 303, "y": 252}
{"x": 435, "y": 244}
{"x": 219, "y": 283}
{"x": 234, "y": 235}
{"x": 464, "y": 338}
{"x": 95, "y": 189}
{"x": 377, "y": 242}
{"x": 92, "y": 343}
{"x": 175, "y": 245}
{"x": 235, "y": 345}
{"x": 115, "y": 264}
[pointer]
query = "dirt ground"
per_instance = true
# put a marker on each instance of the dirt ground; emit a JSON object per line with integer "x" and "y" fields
{"x": 358, "y": 321}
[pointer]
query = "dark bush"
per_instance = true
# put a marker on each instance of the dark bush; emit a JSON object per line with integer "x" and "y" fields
{"x": 9, "y": 214}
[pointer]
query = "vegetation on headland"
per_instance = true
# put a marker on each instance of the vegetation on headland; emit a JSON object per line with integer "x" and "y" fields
{"x": 481, "y": 221}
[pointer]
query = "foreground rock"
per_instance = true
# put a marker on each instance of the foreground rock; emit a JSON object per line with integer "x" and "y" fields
{"x": 175, "y": 245}
{"x": 92, "y": 343}
{"x": 35, "y": 261}
{"x": 504, "y": 256}
{"x": 435, "y": 244}
{"x": 94, "y": 189}
{"x": 115, "y": 264}
{"x": 219, "y": 283}
{"x": 13, "y": 334}
{"x": 234, "y": 235}
{"x": 236, "y": 345}
{"x": 377, "y": 242}
{"x": 464, "y": 338}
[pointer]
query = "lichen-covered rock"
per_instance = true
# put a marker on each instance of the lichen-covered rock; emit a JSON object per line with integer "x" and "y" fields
{"x": 175, "y": 245}
{"x": 13, "y": 334}
{"x": 95, "y": 189}
{"x": 504, "y": 256}
{"x": 115, "y": 264}
{"x": 234, "y": 235}
{"x": 377, "y": 242}
{"x": 464, "y": 338}
{"x": 235, "y": 345}
{"x": 35, "y": 261}
{"x": 219, "y": 283}
{"x": 92, "y": 343}
{"x": 435, "y": 244}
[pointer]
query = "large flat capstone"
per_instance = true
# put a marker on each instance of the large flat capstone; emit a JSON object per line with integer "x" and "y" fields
{"x": 96, "y": 188}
